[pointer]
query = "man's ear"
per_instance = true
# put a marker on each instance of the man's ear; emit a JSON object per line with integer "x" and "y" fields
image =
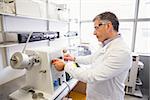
{"x": 109, "y": 27}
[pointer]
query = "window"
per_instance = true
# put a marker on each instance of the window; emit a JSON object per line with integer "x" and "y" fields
{"x": 126, "y": 30}
{"x": 125, "y": 10}
{"x": 144, "y": 9}
{"x": 143, "y": 38}
{"x": 143, "y": 28}
{"x": 122, "y": 8}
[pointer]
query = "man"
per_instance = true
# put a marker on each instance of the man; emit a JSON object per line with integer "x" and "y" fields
{"x": 109, "y": 66}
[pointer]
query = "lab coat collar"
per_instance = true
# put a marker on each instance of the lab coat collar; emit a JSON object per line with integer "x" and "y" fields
{"x": 104, "y": 48}
{"x": 109, "y": 40}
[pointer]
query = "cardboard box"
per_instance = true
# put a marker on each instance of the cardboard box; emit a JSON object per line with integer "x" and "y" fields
{"x": 80, "y": 87}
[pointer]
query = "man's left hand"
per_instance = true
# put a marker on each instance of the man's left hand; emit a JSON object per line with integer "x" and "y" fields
{"x": 59, "y": 64}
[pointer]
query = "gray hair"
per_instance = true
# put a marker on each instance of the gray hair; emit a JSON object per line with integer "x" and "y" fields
{"x": 108, "y": 16}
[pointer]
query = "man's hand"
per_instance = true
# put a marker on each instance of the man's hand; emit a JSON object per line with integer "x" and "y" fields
{"x": 59, "y": 64}
{"x": 69, "y": 57}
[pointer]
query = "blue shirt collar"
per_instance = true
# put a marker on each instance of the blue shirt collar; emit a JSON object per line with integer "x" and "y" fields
{"x": 109, "y": 40}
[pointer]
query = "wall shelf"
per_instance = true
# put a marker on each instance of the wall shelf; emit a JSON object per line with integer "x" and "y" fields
{"x": 57, "y": 20}
{"x": 7, "y": 14}
{"x": 26, "y": 18}
{"x": 10, "y": 44}
{"x": 23, "y": 16}
{"x": 36, "y": 18}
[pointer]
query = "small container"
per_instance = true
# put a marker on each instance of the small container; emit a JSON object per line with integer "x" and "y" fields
{"x": 56, "y": 83}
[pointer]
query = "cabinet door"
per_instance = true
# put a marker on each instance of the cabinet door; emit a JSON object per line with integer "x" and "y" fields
{"x": 31, "y": 8}
{"x": 52, "y": 10}
{"x": 58, "y": 9}
{"x": 7, "y": 6}
{"x": 74, "y": 7}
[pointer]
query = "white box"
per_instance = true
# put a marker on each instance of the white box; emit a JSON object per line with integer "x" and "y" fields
{"x": 11, "y": 37}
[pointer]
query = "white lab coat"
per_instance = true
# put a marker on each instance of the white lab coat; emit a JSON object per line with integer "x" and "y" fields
{"x": 107, "y": 73}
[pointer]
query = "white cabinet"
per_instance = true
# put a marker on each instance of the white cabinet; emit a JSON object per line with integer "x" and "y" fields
{"x": 58, "y": 10}
{"x": 31, "y": 8}
{"x": 52, "y": 10}
{"x": 64, "y": 10}
{"x": 61, "y": 10}
{"x": 74, "y": 13}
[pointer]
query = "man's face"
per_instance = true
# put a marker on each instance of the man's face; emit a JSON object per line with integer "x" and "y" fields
{"x": 100, "y": 30}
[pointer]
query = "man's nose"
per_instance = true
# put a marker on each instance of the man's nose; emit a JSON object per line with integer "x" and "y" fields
{"x": 94, "y": 32}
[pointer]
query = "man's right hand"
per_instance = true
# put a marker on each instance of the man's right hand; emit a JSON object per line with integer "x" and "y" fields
{"x": 69, "y": 57}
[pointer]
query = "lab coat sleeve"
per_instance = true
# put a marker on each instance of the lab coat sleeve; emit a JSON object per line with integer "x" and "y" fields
{"x": 114, "y": 64}
{"x": 84, "y": 59}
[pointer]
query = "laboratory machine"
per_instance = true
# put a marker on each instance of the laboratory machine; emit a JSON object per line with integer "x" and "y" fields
{"x": 43, "y": 81}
